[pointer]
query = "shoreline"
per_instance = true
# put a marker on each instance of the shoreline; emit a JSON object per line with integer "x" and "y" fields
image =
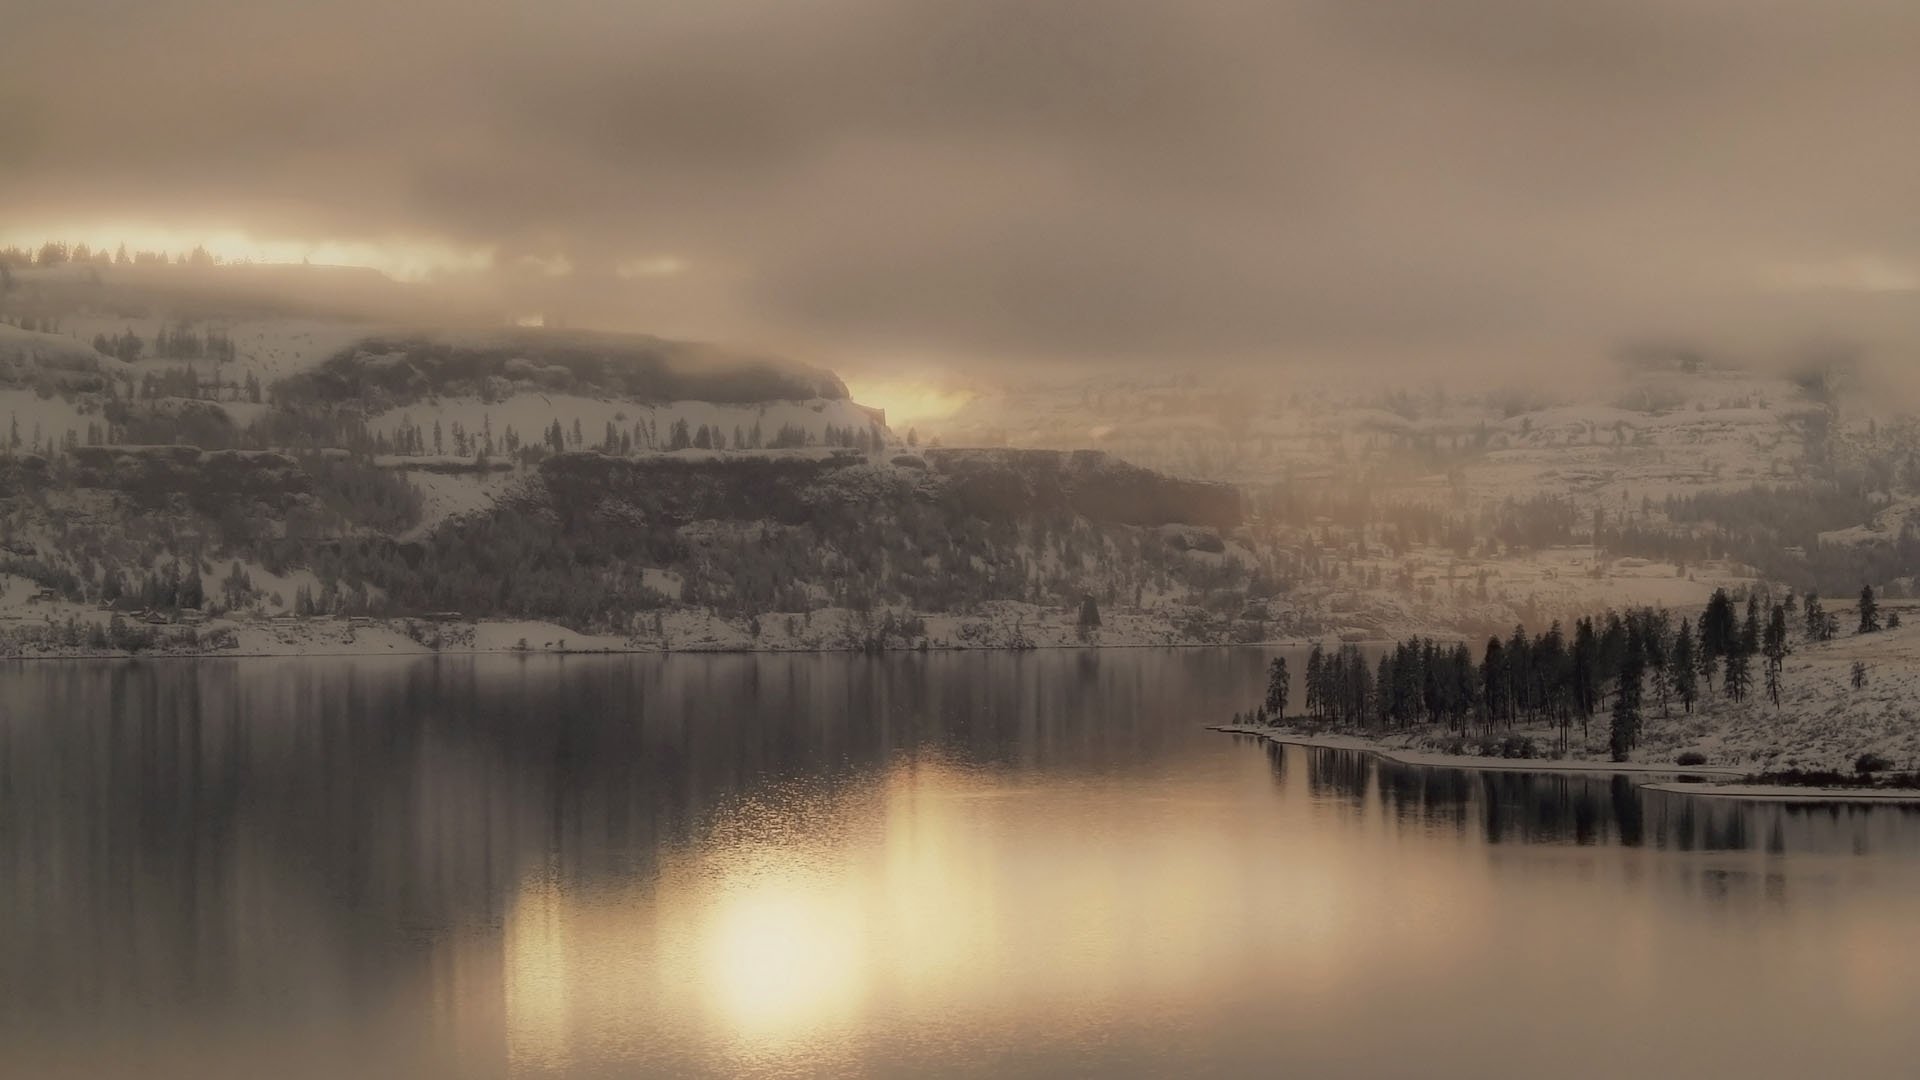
{"x": 722, "y": 650}
{"x": 1785, "y": 794}
{"x": 1437, "y": 760}
{"x": 1724, "y": 790}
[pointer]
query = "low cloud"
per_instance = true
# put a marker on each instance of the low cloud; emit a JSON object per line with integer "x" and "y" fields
{"x": 991, "y": 181}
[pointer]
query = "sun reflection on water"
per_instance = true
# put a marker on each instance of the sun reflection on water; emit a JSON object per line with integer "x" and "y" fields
{"x": 535, "y": 982}
{"x": 783, "y": 950}
{"x": 795, "y": 923}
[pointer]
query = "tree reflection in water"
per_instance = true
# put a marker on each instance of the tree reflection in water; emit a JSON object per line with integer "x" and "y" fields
{"x": 1511, "y": 806}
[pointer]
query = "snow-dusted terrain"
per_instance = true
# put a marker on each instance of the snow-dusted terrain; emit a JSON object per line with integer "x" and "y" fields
{"x": 1637, "y": 434}
{"x": 1821, "y": 724}
{"x": 568, "y": 491}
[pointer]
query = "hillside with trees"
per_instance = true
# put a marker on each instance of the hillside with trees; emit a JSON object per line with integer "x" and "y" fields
{"x": 1765, "y": 682}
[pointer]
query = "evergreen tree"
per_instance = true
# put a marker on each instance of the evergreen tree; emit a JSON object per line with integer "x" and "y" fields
{"x": 1586, "y": 673}
{"x": 1776, "y": 649}
{"x": 1088, "y": 622}
{"x": 1278, "y": 687}
{"x": 1683, "y": 660}
{"x": 1816, "y": 618}
{"x": 191, "y": 592}
{"x": 1655, "y": 632}
{"x": 1738, "y": 677}
{"x": 1316, "y": 679}
{"x": 1494, "y": 682}
{"x": 1719, "y": 633}
{"x": 1869, "y": 611}
{"x": 1624, "y": 734}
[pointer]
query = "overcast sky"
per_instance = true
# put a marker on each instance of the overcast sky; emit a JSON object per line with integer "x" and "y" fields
{"x": 1017, "y": 180}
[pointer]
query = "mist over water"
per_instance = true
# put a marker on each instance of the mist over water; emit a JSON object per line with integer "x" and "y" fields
{"x": 966, "y": 863}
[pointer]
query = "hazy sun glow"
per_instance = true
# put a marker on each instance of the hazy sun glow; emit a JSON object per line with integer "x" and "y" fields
{"x": 908, "y": 401}
{"x": 1858, "y": 273}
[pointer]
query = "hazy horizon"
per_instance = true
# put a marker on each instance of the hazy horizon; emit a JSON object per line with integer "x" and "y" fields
{"x": 964, "y": 187}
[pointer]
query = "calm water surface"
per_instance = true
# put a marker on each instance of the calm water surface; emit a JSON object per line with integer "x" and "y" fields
{"x": 967, "y": 864}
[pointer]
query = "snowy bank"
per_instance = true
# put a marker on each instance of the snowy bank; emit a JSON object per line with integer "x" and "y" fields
{"x": 1407, "y": 755}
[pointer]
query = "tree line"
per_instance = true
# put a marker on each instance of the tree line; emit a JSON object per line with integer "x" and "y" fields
{"x": 1616, "y": 665}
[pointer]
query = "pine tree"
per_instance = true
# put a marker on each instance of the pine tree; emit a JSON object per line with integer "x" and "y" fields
{"x": 1709, "y": 661}
{"x": 1869, "y": 611}
{"x": 1719, "y": 633}
{"x": 1683, "y": 660}
{"x": 1278, "y": 688}
{"x": 1739, "y": 676}
{"x": 192, "y": 592}
{"x": 1624, "y": 733}
{"x": 1493, "y": 682}
{"x": 1586, "y": 651}
{"x": 1316, "y": 672}
{"x": 1776, "y": 649}
{"x": 1089, "y": 616}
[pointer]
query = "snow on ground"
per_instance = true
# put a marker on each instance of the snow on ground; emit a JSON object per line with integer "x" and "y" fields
{"x": 1777, "y": 793}
{"x": 1885, "y": 527}
{"x": 1658, "y": 771}
{"x": 276, "y": 591}
{"x": 445, "y": 496}
{"x": 30, "y": 347}
{"x": 1404, "y": 750}
{"x": 269, "y": 630}
{"x": 41, "y": 421}
{"x": 530, "y": 414}
{"x": 1821, "y": 724}
{"x": 317, "y": 637}
{"x": 1430, "y": 587}
{"x": 535, "y": 636}
{"x": 1631, "y": 435}
{"x": 268, "y": 348}
{"x": 23, "y": 603}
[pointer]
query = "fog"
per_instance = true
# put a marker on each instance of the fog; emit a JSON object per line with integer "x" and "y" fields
{"x": 979, "y": 185}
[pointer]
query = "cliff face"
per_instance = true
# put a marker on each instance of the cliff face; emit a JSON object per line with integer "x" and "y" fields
{"x": 1085, "y": 483}
{"x": 992, "y": 485}
{"x": 385, "y": 372}
{"x": 208, "y": 479}
{"x": 673, "y": 490}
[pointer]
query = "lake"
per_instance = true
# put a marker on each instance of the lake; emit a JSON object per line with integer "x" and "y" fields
{"x": 971, "y": 863}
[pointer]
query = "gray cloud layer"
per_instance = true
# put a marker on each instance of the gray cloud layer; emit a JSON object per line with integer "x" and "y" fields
{"x": 1026, "y": 179}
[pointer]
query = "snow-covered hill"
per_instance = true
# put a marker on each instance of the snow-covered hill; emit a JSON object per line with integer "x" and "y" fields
{"x": 1645, "y": 434}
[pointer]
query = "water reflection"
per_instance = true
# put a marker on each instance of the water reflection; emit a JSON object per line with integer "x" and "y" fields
{"x": 1595, "y": 808}
{"x": 995, "y": 864}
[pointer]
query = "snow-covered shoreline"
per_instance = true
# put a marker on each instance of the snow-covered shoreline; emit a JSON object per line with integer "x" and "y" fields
{"x": 684, "y": 633}
{"x": 1779, "y": 793}
{"x": 1404, "y": 755}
